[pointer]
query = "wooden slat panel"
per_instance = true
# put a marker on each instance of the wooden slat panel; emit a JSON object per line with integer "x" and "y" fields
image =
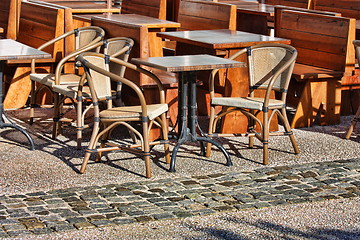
{"x": 324, "y": 25}
{"x": 151, "y": 8}
{"x": 198, "y": 15}
{"x": 295, "y": 3}
{"x": 319, "y": 40}
{"x": 322, "y": 43}
{"x": 348, "y": 8}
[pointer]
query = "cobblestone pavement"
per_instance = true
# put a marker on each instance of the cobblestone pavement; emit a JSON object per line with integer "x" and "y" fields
{"x": 101, "y": 206}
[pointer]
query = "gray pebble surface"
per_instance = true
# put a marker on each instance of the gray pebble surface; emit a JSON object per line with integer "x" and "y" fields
{"x": 54, "y": 164}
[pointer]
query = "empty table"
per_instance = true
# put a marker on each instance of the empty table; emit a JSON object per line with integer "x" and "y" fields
{"x": 187, "y": 67}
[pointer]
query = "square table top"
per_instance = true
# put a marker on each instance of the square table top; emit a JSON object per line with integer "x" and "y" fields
{"x": 220, "y": 38}
{"x": 137, "y": 19}
{"x": 11, "y": 49}
{"x": 188, "y": 63}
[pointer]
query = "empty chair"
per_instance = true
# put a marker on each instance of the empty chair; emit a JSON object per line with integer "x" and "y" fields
{"x": 118, "y": 47}
{"x": 270, "y": 68}
{"x": 357, "y": 115}
{"x": 148, "y": 115}
{"x": 86, "y": 39}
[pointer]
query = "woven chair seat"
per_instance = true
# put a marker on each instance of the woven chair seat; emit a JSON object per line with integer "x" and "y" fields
{"x": 246, "y": 102}
{"x": 49, "y": 79}
{"x": 153, "y": 111}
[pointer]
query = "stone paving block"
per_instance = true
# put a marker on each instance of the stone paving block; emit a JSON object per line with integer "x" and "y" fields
{"x": 121, "y": 221}
{"x": 18, "y": 233}
{"x": 84, "y": 225}
{"x": 102, "y": 223}
{"x": 163, "y": 216}
{"x": 63, "y": 227}
{"x": 14, "y": 227}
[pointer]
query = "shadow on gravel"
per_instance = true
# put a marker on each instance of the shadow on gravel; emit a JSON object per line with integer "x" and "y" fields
{"x": 269, "y": 230}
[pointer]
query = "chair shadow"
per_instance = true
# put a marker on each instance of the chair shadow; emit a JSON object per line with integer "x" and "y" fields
{"x": 269, "y": 230}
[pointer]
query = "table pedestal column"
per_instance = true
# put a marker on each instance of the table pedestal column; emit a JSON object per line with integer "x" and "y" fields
{"x": 187, "y": 118}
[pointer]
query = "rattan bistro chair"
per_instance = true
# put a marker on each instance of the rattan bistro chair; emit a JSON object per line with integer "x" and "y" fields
{"x": 118, "y": 47}
{"x": 357, "y": 115}
{"x": 85, "y": 39}
{"x": 149, "y": 115}
{"x": 270, "y": 68}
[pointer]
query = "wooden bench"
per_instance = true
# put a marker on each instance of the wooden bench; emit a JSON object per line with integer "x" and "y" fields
{"x": 202, "y": 15}
{"x": 350, "y": 84}
{"x": 37, "y": 25}
{"x": 9, "y": 18}
{"x": 150, "y": 8}
{"x": 326, "y": 54}
{"x": 140, "y": 35}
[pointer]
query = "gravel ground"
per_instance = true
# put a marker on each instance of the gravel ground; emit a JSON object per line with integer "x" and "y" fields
{"x": 54, "y": 164}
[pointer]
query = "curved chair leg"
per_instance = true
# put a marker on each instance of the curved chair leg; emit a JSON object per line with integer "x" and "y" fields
{"x": 353, "y": 123}
{"x": 56, "y": 117}
{"x": 251, "y": 127}
{"x": 91, "y": 147}
{"x": 79, "y": 123}
{"x": 164, "y": 128}
{"x": 210, "y": 131}
{"x": 146, "y": 150}
{"x": 265, "y": 138}
{"x": 289, "y": 131}
{"x": 32, "y": 103}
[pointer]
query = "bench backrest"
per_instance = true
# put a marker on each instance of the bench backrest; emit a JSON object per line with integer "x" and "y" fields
{"x": 347, "y": 8}
{"x": 321, "y": 40}
{"x": 202, "y": 15}
{"x": 9, "y": 18}
{"x": 136, "y": 32}
{"x": 151, "y": 8}
{"x": 40, "y": 23}
{"x": 291, "y": 3}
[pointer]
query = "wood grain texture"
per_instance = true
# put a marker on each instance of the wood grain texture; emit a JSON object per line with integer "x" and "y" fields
{"x": 347, "y": 8}
{"x": 151, "y": 8}
{"x": 37, "y": 24}
{"x": 201, "y": 15}
{"x": 325, "y": 55}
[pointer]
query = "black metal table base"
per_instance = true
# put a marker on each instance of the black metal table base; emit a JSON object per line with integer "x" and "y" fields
{"x": 2, "y": 114}
{"x": 187, "y": 118}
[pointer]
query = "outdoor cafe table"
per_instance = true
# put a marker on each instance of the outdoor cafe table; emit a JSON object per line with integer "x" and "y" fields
{"x": 223, "y": 42}
{"x": 154, "y": 25}
{"x": 13, "y": 50}
{"x": 187, "y": 68}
